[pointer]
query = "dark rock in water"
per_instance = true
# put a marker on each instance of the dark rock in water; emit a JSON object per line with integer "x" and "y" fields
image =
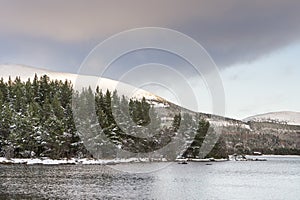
{"x": 183, "y": 162}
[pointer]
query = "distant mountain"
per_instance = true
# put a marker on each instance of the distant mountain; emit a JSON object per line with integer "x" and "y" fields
{"x": 288, "y": 117}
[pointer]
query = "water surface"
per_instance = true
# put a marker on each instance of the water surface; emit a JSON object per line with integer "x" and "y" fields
{"x": 277, "y": 178}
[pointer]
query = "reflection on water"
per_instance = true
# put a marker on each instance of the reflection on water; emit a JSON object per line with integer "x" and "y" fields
{"x": 278, "y": 178}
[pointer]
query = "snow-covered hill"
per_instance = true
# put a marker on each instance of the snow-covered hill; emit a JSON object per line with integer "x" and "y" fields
{"x": 25, "y": 72}
{"x": 266, "y": 137}
{"x": 292, "y": 118}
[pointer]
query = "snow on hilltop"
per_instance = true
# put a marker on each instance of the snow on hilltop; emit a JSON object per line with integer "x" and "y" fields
{"x": 25, "y": 72}
{"x": 292, "y": 118}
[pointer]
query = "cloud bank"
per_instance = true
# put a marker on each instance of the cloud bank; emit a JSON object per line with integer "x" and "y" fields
{"x": 232, "y": 31}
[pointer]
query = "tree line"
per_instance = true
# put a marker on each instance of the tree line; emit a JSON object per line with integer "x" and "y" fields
{"x": 36, "y": 120}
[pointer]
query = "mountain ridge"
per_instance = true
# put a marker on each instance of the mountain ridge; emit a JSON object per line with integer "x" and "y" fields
{"x": 26, "y": 72}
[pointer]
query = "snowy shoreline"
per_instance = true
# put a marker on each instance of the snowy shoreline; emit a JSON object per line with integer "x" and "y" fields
{"x": 73, "y": 161}
{"x": 86, "y": 161}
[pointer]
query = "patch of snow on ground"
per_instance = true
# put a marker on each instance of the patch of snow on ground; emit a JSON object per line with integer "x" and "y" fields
{"x": 83, "y": 161}
{"x": 227, "y": 123}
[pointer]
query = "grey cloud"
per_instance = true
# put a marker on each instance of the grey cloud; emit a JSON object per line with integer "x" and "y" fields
{"x": 232, "y": 31}
{"x": 247, "y": 30}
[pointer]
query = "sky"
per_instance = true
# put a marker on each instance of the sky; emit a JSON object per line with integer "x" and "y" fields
{"x": 255, "y": 44}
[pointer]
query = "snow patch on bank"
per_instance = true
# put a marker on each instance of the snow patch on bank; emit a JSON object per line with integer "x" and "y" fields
{"x": 74, "y": 161}
{"x": 223, "y": 123}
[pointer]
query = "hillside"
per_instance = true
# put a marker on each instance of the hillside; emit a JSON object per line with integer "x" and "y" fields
{"x": 26, "y": 72}
{"x": 272, "y": 133}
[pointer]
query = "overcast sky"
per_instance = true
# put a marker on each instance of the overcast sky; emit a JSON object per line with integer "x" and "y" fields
{"x": 255, "y": 44}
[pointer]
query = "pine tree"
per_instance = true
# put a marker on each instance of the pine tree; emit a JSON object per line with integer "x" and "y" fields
{"x": 35, "y": 89}
{"x": 44, "y": 89}
{"x": 219, "y": 149}
{"x": 4, "y": 90}
{"x": 2, "y": 136}
{"x": 57, "y": 107}
{"x": 194, "y": 149}
{"x": 176, "y": 122}
{"x": 7, "y": 123}
{"x": 34, "y": 116}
